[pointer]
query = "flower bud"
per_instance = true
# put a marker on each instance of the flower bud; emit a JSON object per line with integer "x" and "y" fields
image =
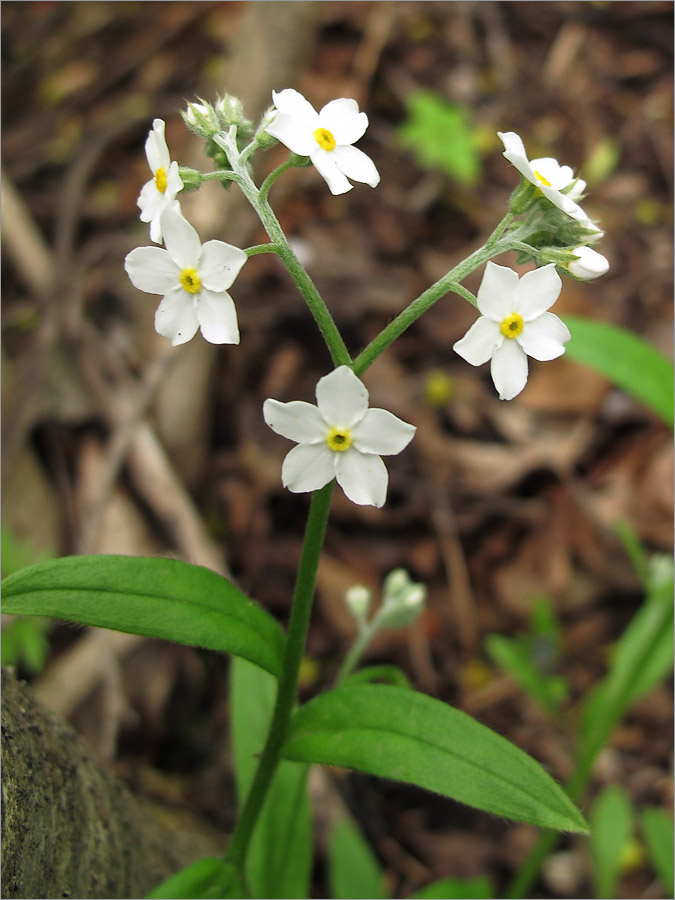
{"x": 202, "y": 119}
{"x": 358, "y": 600}
{"x": 403, "y": 600}
{"x": 588, "y": 265}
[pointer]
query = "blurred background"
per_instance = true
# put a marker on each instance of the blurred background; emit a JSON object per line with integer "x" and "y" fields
{"x": 115, "y": 443}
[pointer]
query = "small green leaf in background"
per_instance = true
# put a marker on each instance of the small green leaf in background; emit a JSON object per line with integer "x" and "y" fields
{"x": 627, "y": 360}
{"x": 642, "y": 657}
{"x": 407, "y": 736}
{"x": 478, "y": 888}
{"x": 611, "y": 821}
{"x": 279, "y": 859}
{"x": 205, "y": 879}
{"x": 659, "y": 835}
{"x": 24, "y": 641}
{"x": 531, "y": 658}
{"x": 17, "y": 553}
{"x": 353, "y": 871}
{"x": 440, "y": 135}
{"x": 159, "y": 598}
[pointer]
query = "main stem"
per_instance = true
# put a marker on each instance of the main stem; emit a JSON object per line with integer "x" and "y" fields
{"x": 288, "y": 683}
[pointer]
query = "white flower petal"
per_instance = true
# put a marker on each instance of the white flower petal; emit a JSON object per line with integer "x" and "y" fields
{"x": 381, "y": 432}
{"x": 363, "y": 477}
{"x": 537, "y": 291}
{"x": 220, "y": 264}
{"x": 293, "y": 104}
{"x": 565, "y": 203}
{"x": 480, "y": 341}
{"x": 509, "y": 369}
{"x": 156, "y": 150}
{"x": 175, "y": 317}
{"x": 180, "y": 238}
{"x": 577, "y": 189}
{"x": 217, "y": 317}
{"x": 354, "y": 163}
{"x": 342, "y": 398}
{"x": 174, "y": 183}
{"x": 307, "y": 467}
{"x": 497, "y": 292}
{"x": 549, "y": 168}
{"x": 544, "y": 338}
{"x": 589, "y": 264}
{"x": 326, "y": 165}
{"x": 152, "y": 270}
{"x": 150, "y": 202}
{"x": 298, "y": 421}
{"x": 293, "y": 133}
{"x": 343, "y": 119}
{"x": 514, "y": 151}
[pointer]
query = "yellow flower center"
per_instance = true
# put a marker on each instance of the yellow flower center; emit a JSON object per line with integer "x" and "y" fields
{"x": 190, "y": 280}
{"x": 512, "y": 325}
{"x": 540, "y": 178}
{"x": 324, "y": 139}
{"x": 339, "y": 439}
{"x": 160, "y": 179}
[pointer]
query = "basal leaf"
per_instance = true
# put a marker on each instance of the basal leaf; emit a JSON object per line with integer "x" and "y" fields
{"x": 478, "y": 888}
{"x": 641, "y": 658}
{"x": 611, "y": 821}
{"x": 657, "y": 828}
{"x": 352, "y": 868}
{"x": 406, "y": 736}
{"x": 210, "y": 878}
{"x": 159, "y": 598}
{"x": 626, "y": 360}
{"x": 279, "y": 858}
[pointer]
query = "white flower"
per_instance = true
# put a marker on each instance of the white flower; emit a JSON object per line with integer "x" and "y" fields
{"x": 160, "y": 192}
{"x": 589, "y": 264}
{"x": 339, "y": 438}
{"x": 193, "y": 277}
{"x": 550, "y": 177}
{"x": 326, "y": 137}
{"x": 514, "y": 324}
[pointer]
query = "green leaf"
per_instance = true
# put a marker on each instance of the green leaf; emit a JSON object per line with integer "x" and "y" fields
{"x": 516, "y": 657}
{"x": 384, "y": 673}
{"x": 353, "y": 871}
{"x": 626, "y": 360}
{"x": 406, "y": 736}
{"x": 279, "y": 859}
{"x": 657, "y": 828}
{"x": 611, "y": 821}
{"x": 478, "y": 888}
{"x": 159, "y": 598}
{"x": 207, "y": 878}
{"x": 440, "y": 135}
{"x": 642, "y": 657}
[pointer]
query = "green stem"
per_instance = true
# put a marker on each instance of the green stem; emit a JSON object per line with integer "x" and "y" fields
{"x": 426, "y": 300}
{"x": 257, "y": 249}
{"x": 275, "y": 232}
{"x": 364, "y": 637}
{"x": 288, "y": 683}
{"x": 272, "y": 177}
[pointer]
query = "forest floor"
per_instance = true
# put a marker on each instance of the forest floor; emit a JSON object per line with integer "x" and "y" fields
{"x": 116, "y": 443}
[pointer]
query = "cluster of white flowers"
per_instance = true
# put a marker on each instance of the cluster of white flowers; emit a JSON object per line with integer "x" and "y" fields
{"x": 341, "y": 437}
{"x": 192, "y": 277}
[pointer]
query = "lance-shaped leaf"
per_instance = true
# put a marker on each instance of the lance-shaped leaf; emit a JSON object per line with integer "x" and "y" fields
{"x": 406, "y": 736}
{"x": 159, "y": 598}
